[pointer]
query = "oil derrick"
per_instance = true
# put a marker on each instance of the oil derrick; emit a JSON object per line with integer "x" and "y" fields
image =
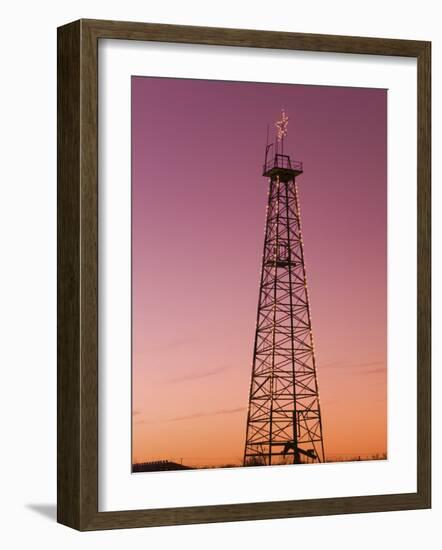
{"x": 284, "y": 418}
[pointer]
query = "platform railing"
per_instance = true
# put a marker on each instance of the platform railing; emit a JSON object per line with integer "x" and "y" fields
{"x": 282, "y": 161}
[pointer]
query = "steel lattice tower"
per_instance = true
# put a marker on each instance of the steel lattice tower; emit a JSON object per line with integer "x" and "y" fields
{"x": 284, "y": 417}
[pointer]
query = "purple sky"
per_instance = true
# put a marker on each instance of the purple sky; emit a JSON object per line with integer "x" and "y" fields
{"x": 198, "y": 222}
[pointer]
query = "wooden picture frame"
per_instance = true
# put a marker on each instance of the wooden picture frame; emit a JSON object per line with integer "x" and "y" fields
{"x": 77, "y": 224}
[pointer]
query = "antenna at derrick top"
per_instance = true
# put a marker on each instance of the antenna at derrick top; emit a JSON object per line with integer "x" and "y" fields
{"x": 276, "y": 163}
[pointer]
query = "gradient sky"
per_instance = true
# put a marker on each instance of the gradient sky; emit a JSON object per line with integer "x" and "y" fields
{"x": 198, "y": 226}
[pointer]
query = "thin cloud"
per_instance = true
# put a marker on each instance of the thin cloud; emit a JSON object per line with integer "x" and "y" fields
{"x": 192, "y": 416}
{"x": 375, "y": 371}
{"x": 330, "y": 365}
{"x": 211, "y": 413}
{"x": 174, "y": 344}
{"x": 347, "y": 365}
{"x": 198, "y": 375}
{"x": 365, "y": 365}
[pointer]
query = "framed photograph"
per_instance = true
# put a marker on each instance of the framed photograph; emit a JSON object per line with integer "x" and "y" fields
{"x": 243, "y": 275}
